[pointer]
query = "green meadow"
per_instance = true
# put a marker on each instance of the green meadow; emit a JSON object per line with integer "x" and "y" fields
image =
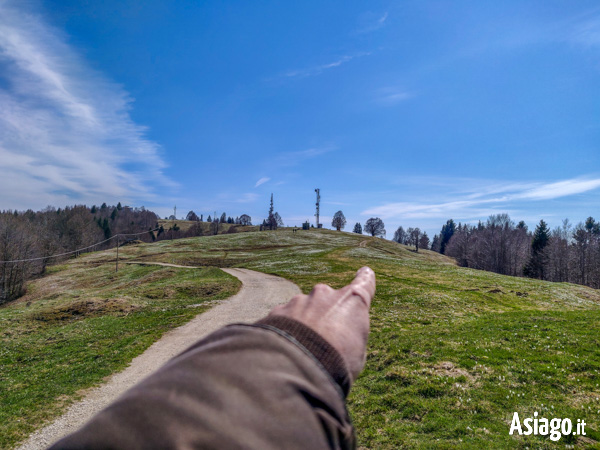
{"x": 452, "y": 354}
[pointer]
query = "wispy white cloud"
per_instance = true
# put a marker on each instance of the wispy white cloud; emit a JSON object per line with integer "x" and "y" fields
{"x": 263, "y": 180}
{"x": 392, "y": 95}
{"x": 319, "y": 69}
{"x": 559, "y": 189}
{"x": 485, "y": 200}
{"x": 65, "y": 131}
{"x": 370, "y": 22}
{"x": 293, "y": 158}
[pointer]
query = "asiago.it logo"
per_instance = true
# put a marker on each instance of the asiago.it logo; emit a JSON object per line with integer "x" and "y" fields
{"x": 554, "y": 427}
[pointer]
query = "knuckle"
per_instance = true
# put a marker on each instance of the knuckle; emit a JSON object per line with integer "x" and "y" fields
{"x": 321, "y": 289}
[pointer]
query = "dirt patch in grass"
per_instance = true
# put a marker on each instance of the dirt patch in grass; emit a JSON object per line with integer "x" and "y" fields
{"x": 448, "y": 369}
{"x": 186, "y": 291}
{"x": 202, "y": 290}
{"x": 82, "y": 308}
{"x": 400, "y": 376}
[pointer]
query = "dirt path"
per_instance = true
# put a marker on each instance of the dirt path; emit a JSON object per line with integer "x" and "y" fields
{"x": 259, "y": 293}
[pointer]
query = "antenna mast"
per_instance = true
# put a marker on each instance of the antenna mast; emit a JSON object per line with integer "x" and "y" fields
{"x": 318, "y": 191}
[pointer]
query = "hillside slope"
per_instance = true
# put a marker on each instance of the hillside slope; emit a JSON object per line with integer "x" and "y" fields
{"x": 453, "y": 352}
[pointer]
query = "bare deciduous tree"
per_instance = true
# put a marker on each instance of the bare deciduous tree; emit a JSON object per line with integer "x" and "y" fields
{"x": 414, "y": 236}
{"x": 400, "y": 236}
{"x": 245, "y": 219}
{"x": 278, "y": 219}
{"x": 375, "y": 227}
{"x": 339, "y": 221}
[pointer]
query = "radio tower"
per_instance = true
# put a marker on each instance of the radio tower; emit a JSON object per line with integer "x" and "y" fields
{"x": 318, "y": 191}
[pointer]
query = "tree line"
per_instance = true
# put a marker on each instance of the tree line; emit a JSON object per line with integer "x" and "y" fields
{"x": 29, "y": 234}
{"x": 39, "y": 235}
{"x": 566, "y": 253}
{"x": 244, "y": 219}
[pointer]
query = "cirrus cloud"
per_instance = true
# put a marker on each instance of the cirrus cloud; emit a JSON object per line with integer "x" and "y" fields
{"x": 65, "y": 131}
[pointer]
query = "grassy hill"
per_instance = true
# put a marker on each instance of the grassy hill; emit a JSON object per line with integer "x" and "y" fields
{"x": 453, "y": 352}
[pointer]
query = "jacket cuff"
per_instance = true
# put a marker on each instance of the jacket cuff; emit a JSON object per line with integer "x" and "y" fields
{"x": 322, "y": 350}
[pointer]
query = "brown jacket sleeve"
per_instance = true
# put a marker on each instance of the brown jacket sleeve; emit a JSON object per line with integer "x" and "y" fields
{"x": 271, "y": 385}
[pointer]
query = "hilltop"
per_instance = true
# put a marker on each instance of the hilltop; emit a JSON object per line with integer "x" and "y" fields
{"x": 453, "y": 352}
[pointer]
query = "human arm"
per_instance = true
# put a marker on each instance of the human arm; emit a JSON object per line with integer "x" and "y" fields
{"x": 278, "y": 383}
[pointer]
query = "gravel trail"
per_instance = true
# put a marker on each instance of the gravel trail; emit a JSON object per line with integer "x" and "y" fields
{"x": 259, "y": 293}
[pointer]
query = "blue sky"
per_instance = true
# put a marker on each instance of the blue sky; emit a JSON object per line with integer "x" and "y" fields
{"x": 415, "y": 112}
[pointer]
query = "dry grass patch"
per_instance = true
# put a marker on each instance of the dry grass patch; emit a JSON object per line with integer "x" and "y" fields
{"x": 79, "y": 309}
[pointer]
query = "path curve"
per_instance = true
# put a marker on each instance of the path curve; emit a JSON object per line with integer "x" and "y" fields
{"x": 259, "y": 293}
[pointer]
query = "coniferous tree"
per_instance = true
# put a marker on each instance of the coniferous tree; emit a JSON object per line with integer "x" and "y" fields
{"x": 446, "y": 234}
{"x": 271, "y": 219}
{"x": 357, "y": 228}
{"x": 106, "y": 228}
{"x": 424, "y": 241}
{"x": 192, "y": 216}
{"x": 119, "y": 207}
{"x": 435, "y": 243}
{"x": 536, "y": 266}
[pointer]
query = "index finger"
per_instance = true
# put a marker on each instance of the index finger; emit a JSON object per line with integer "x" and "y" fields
{"x": 363, "y": 285}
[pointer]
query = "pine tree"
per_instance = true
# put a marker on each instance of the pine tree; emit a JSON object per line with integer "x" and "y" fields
{"x": 446, "y": 234}
{"x": 424, "y": 241}
{"x": 113, "y": 215}
{"x": 119, "y": 207}
{"x": 435, "y": 244}
{"x": 536, "y": 266}
{"x": 272, "y": 220}
{"x": 106, "y": 228}
{"x": 209, "y": 219}
{"x": 357, "y": 228}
